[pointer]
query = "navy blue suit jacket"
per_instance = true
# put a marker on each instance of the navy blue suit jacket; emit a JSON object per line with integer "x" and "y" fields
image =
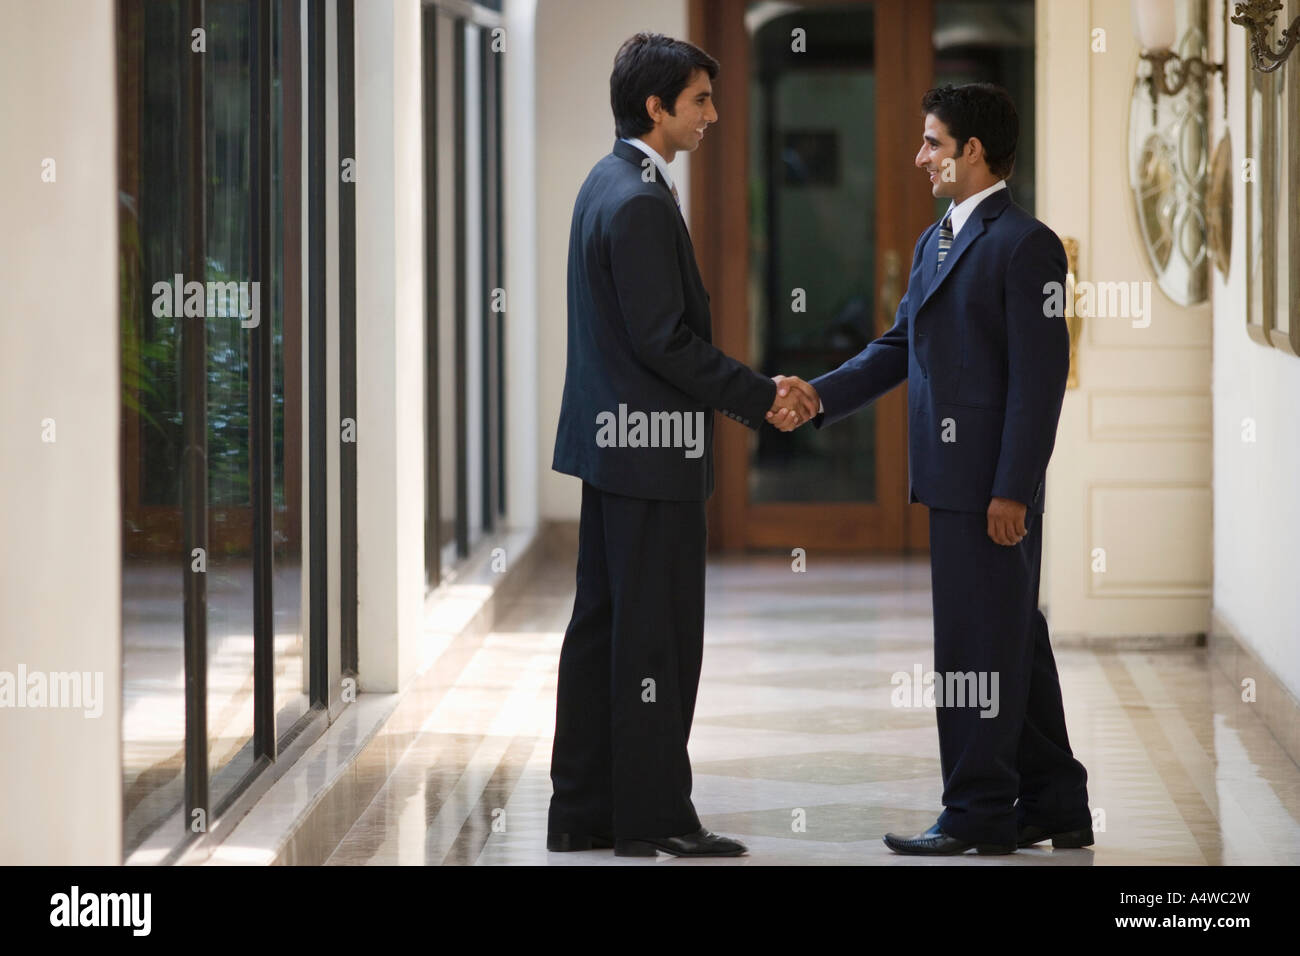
{"x": 984, "y": 364}
{"x": 640, "y": 336}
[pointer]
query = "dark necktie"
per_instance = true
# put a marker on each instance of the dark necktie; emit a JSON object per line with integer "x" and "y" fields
{"x": 945, "y": 237}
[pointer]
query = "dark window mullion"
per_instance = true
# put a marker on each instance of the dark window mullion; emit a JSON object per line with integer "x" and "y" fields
{"x": 462, "y": 358}
{"x": 432, "y": 529}
{"x": 499, "y": 263}
{"x": 489, "y": 279}
{"x": 261, "y": 455}
{"x": 347, "y": 340}
{"x": 317, "y": 426}
{"x": 194, "y": 457}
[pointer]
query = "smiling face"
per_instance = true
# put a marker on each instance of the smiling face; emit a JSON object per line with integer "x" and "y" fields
{"x": 683, "y": 129}
{"x": 938, "y": 145}
{"x": 953, "y": 174}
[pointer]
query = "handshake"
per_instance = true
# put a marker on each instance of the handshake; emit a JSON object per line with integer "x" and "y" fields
{"x": 796, "y": 402}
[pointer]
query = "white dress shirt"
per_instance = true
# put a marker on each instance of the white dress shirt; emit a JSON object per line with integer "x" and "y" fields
{"x": 961, "y": 211}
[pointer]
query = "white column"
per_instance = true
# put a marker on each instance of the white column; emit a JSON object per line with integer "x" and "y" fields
{"x": 519, "y": 173}
{"x": 390, "y": 341}
{"x": 60, "y": 537}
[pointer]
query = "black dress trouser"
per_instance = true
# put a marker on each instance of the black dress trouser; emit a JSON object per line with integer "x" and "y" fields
{"x": 630, "y": 669}
{"x": 1002, "y": 771}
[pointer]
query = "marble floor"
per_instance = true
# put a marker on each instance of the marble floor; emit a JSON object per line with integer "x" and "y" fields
{"x": 153, "y": 687}
{"x": 798, "y": 751}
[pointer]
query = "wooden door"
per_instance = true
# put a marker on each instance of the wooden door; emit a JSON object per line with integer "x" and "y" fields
{"x": 805, "y": 207}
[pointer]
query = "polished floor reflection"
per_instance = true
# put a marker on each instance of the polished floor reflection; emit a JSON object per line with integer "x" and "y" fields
{"x": 153, "y": 686}
{"x": 799, "y": 752}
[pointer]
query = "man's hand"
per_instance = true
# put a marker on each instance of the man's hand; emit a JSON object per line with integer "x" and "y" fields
{"x": 1006, "y": 521}
{"x": 796, "y": 402}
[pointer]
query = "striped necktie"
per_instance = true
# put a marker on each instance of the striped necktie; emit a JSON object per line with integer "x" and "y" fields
{"x": 676, "y": 197}
{"x": 945, "y": 237}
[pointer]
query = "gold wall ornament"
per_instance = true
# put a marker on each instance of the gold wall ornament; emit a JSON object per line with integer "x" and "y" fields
{"x": 1157, "y": 200}
{"x": 1284, "y": 322}
{"x": 1161, "y": 82}
{"x": 1073, "y": 320}
{"x": 1156, "y": 27}
{"x": 1258, "y": 17}
{"x": 1168, "y": 163}
{"x": 1218, "y": 203}
{"x": 1272, "y": 217}
{"x": 1261, "y": 213}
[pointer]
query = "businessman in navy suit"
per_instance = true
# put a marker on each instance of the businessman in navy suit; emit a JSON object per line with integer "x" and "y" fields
{"x": 985, "y": 358}
{"x": 636, "y": 425}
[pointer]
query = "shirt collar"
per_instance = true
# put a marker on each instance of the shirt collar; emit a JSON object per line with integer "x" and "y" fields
{"x": 653, "y": 154}
{"x": 961, "y": 211}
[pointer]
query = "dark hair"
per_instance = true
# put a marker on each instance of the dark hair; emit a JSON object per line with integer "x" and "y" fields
{"x": 983, "y": 111}
{"x": 651, "y": 64}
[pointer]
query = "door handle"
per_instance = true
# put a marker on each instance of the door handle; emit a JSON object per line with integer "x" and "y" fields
{"x": 890, "y": 291}
{"x": 1073, "y": 320}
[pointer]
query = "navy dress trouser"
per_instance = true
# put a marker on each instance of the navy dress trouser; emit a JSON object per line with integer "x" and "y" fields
{"x": 629, "y": 670}
{"x": 1003, "y": 771}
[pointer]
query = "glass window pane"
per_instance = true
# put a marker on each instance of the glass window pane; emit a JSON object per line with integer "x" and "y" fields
{"x": 291, "y": 650}
{"x": 230, "y": 562}
{"x": 153, "y": 599}
{"x": 813, "y": 235}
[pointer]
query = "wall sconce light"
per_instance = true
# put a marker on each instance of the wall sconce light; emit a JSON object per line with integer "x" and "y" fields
{"x": 1154, "y": 26}
{"x": 1258, "y": 16}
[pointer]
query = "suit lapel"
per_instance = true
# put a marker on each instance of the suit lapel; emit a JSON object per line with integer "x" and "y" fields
{"x": 930, "y": 258}
{"x": 634, "y": 156}
{"x": 971, "y": 231}
{"x": 990, "y": 208}
{"x": 637, "y": 158}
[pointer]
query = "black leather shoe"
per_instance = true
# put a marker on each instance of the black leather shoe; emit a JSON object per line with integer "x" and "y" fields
{"x": 568, "y": 842}
{"x": 934, "y": 842}
{"x": 1061, "y": 839}
{"x": 699, "y": 843}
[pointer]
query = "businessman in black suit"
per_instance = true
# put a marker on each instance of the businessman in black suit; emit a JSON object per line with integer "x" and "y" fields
{"x": 985, "y": 352}
{"x": 636, "y": 425}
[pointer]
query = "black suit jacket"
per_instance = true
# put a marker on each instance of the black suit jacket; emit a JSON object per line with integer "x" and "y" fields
{"x": 640, "y": 337}
{"x": 984, "y": 360}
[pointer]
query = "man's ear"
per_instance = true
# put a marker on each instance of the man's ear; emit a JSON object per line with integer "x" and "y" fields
{"x": 974, "y": 150}
{"x": 654, "y": 107}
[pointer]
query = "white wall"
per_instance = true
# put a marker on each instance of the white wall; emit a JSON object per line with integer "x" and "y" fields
{"x": 1256, "y": 485}
{"x": 60, "y": 537}
{"x": 574, "y": 52}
